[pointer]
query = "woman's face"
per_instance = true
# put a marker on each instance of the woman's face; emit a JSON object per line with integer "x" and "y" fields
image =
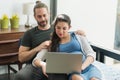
{"x": 61, "y": 29}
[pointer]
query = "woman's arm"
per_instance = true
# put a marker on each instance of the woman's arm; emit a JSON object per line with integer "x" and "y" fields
{"x": 41, "y": 64}
{"x": 39, "y": 58}
{"x": 87, "y": 62}
{"x": 87, "y": 50}
{"x": 38, "y": 61}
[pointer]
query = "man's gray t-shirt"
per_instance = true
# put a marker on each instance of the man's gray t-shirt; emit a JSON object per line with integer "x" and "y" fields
{"x": 34, "y": 37}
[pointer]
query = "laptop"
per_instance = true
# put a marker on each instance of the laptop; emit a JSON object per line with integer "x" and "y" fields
{"x": 59, "y": 62}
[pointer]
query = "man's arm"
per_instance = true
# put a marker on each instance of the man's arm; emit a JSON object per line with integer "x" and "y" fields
{"x": 80, "y": 32}
{"x": 26, "y": 54}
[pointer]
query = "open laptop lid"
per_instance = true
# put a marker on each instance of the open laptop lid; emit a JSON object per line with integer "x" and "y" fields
{"x": 59, "y": 62}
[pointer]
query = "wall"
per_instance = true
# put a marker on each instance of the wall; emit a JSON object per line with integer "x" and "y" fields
{"x": 96, "y": 17}
{"x": 10, "y": 7}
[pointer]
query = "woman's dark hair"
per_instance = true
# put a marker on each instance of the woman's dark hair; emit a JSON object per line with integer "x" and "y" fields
{"x": 55, "y": 39}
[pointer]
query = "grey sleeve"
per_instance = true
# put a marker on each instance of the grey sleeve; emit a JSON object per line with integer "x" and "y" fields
{"x": 85, "y": 45}
{"x": 40, "y": 56}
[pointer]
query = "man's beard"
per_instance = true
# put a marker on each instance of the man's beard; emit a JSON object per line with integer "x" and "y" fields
{"x": 42, "y": 23}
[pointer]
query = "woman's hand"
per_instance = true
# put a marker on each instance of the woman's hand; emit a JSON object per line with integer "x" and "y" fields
{"x": 43, "y": 65}
{"x": 89, "y": 60}
{"x": 40, "y": 64}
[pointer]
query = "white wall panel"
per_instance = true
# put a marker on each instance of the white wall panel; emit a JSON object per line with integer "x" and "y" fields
{"x": 96, "y": 17}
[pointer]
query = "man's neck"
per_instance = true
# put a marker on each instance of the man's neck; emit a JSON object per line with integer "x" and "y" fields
{"x": 44, "y": 28}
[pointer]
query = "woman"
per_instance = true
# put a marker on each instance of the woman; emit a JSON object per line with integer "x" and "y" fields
{"x": 63, "y": 41}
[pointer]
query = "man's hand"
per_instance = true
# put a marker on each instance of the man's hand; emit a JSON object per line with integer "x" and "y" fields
{"x": 80, "y": 32}
{"x": 43, "y": 45}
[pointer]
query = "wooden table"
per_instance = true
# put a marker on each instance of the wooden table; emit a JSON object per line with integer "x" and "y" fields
{"x": 9, "y": 39}
{"x": 11, "y": 34}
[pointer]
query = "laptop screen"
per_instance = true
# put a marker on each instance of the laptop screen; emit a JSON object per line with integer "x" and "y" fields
{"x": 59, "y": 62}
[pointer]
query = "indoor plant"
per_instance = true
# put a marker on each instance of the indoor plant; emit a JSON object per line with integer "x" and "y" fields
{"x": 14, "y": 21}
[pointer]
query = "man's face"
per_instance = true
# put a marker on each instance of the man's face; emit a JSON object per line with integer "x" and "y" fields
{"x": 42, "y": 16}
